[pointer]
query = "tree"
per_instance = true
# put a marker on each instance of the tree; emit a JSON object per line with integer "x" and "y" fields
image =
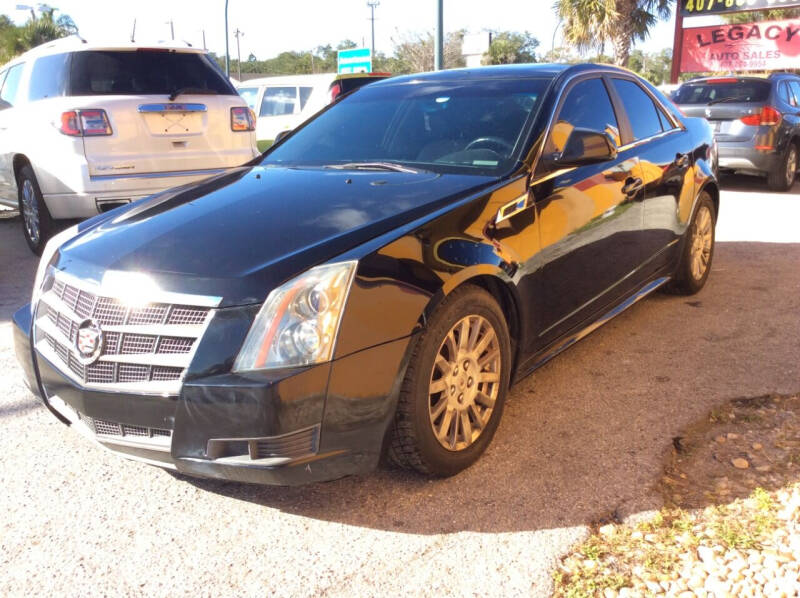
{"x": 414, "y": 52}
{"x": 509, "y": 47}
{"x": 591, "y": 24}
{"x": 653, "y": 66}
{"x": 46, "y": 27}
{"x": 761, "y": 15}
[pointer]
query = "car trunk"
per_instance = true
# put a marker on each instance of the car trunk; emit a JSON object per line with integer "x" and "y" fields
{"x": 724, "y": 101}
{"x": 725, "y": 118}
{"x": 191, "y": 133}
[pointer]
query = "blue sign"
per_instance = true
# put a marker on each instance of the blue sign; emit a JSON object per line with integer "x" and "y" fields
{"x": 355, "y": 60}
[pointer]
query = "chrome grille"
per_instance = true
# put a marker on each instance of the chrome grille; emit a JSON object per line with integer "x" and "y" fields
{"x": 149, "y": 345}
{"x": 103, "y": 427}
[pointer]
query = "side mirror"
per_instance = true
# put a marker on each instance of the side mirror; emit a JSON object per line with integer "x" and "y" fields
{"x": 280, "y": 136}
{"x": 585, "y": 146}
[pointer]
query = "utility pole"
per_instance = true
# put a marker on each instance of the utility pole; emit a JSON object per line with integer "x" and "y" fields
{"x": 438, "y": 50}
{"x": 237, "y": 34}
{"x": 677, "y": 46}
{"x": 373, "y": 4}
{"x": 227, "y": 52}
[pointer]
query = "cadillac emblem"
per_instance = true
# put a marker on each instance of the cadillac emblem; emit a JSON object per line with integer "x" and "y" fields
{"x": 89, "y": 341}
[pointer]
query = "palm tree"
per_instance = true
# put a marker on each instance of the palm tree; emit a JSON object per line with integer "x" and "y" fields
{"x": 591, "y": 24}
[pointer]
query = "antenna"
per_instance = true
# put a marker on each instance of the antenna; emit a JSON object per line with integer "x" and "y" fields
{"x": 133, "y": 32}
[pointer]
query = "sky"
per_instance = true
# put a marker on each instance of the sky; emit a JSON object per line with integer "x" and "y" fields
{"x": 270, "y": 27}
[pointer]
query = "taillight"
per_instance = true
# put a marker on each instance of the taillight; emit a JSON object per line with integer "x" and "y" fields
{"x": 242, "y": 119}
{"x": 334, "y": 92}
{"x": 85, "y": 123}
{"x": 767, "y": 116}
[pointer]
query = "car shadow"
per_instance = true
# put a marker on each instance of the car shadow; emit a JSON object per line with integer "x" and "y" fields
{"x": 751, "y": 184}
{"x": 585, "y": 438}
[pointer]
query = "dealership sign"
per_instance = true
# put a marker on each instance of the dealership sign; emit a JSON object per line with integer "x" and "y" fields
{"x": 769, "y": 45}
{"x": 693, "y": 8}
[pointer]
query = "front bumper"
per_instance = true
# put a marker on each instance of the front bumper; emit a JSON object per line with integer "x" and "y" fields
{"x": 110, "y": 191}
{"x": 293, "y": 427}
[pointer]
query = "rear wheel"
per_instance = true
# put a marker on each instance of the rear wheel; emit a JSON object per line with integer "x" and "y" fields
{"x": 781, "y": 178}
{"x": 452, "y": 396}
{"x": 37, "y": 225}
{"x": 698, "y": 250}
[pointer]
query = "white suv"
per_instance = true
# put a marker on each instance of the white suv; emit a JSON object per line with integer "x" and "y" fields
{"x": 87, "y": 127}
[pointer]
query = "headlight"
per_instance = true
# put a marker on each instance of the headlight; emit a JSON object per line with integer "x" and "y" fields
{"x": 299, "y": 321}
{"x": 47, "y": 256}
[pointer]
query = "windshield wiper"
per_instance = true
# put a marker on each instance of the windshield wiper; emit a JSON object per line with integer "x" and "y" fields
{"x": 384, "y": 166}
{"x": 729, "y": 99}
{"x": 195, "y": 90}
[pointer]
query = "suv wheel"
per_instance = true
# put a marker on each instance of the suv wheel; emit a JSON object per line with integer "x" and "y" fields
{"x": 452, "y": 396}
{"x": 782, "y": 177}
{"x": 36, "y": 221}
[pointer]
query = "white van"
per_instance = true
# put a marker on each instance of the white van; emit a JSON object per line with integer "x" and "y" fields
{"x": 85, "y": 127}
{"x": 283, "y": 103}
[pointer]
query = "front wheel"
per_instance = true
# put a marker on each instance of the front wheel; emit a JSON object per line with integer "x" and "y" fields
{"x": 36, "y": 222}
{"x": 452, "y": 396}
{"x": 698, "y": 250}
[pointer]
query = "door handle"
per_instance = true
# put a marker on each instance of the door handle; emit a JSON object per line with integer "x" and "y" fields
{"x": 632, "y": 186}
{"x": 681, "y": 160}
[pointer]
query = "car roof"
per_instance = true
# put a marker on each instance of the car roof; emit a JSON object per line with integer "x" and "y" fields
{"x": 502, "y": 71}
{"x": 75, "y": 43}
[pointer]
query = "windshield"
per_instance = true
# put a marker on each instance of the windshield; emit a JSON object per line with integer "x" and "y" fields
{"x": 733, "y": 91}
{"x": 471, "y": 126}
{"x": 112, "y": 72}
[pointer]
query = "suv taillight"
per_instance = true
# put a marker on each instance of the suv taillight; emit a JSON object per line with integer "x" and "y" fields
{"x": 243, "y": 119}
{"x": 767, "y": 116}
{"x": 334, "y": 92}
{"x": 85, "y": 123}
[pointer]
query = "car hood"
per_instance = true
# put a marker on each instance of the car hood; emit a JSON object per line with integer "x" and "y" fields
{"x": 242, "y": 233}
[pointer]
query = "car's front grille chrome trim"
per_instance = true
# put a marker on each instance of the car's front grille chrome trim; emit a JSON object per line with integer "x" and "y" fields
{"x": 146, "y": 347}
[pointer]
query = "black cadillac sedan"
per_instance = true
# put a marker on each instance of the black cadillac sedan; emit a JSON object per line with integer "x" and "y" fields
{"x": 372, "y": 285}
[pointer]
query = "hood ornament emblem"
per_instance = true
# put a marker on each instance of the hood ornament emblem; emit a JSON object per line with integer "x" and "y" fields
{"x": 89, "y": 341}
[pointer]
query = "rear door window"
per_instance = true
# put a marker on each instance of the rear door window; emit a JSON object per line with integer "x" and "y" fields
{"x": 642, "y": 115}
{"x": 49, "y": 77}
{"x": 587, "y": 106}
{"x": 148, "y": 72}
{"x": 305, "y": 93}
{"x": 278, "y": 101}
{"x": 794, "y": 88}
{"x": 8, "y": 94}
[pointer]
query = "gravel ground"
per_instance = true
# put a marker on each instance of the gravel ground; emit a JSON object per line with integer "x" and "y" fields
{"x": 583, "y": 438}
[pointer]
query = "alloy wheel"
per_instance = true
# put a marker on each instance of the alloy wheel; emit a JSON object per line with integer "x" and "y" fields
{"x": 465, "y": 382}
{"x": 791, "y": 165}
{"x": 30, "y": 211}
{"x": 702, "y": 240}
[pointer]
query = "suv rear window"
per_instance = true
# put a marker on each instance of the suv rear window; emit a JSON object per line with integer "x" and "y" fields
{"x": 109, "y": 72}
{"x": 711, "y": 91}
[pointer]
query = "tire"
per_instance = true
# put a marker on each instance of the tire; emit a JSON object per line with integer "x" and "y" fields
{"x": 435, "y": 374}
{"x": 691, "y": 275}
{"x": 37, "y": 225}
{"x": 782, "y": 177}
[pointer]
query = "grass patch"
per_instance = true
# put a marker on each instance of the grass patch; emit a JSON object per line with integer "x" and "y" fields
{"x": 653, "y": 549}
